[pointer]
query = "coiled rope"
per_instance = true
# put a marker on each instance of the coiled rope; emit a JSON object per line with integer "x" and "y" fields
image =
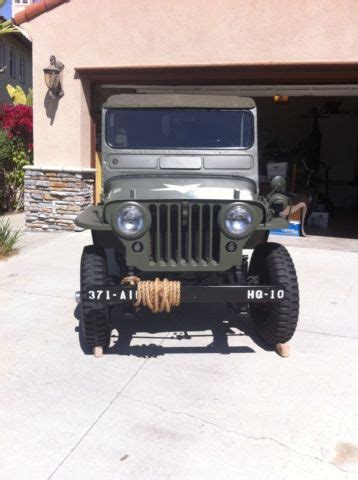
{"x": 157, "y": 295}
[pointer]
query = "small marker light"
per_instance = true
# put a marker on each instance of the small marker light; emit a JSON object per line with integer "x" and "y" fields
{"x": 231, "y": 247}
{"x": 137, "y": 247}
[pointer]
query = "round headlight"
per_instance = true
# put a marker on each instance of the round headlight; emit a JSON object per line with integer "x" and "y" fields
{"x": 130, "y": 221}
{"x": 237, "y": 220}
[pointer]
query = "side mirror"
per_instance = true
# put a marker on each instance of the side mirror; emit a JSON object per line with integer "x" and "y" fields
{"x": 278, "y": 184}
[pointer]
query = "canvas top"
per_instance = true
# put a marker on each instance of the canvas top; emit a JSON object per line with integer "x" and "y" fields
{"x": 178, "y": 100}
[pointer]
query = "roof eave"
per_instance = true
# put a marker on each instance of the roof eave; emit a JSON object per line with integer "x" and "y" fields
{"x": 35, "y": 10}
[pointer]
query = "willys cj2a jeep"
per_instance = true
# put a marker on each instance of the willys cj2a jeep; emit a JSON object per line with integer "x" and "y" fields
{"x": 180, "y": 203}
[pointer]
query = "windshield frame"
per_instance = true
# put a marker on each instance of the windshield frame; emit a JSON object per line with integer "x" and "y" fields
{"x": 184, "y": 150}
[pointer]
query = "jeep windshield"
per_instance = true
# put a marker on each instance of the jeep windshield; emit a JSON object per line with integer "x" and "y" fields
{"x": 178, "y": 128}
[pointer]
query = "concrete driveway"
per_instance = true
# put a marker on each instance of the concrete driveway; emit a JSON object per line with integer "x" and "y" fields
{"x": 168, "y": 406}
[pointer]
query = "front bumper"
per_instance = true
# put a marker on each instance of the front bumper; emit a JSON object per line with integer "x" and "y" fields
{"x": 127, "y": 294}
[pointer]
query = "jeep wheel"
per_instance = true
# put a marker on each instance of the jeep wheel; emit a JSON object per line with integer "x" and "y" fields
{"x": 271, "y": 264}
{"x": 95, "y": 320}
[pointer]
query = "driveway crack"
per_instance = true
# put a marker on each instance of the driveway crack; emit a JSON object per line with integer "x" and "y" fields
{"x": 104, "y": 411}
{"x": 247, "y": 436}
{"x": 27, "y": 292}
{"x": 327, "y": 334}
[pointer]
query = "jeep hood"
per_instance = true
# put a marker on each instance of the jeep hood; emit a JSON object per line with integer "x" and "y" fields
{"x": 179, "y": 188}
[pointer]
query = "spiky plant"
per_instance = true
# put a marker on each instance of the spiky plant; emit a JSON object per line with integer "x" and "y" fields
{"x": 8, "y": 238}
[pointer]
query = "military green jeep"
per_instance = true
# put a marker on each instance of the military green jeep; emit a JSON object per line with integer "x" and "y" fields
{"x": 180, "y": 202}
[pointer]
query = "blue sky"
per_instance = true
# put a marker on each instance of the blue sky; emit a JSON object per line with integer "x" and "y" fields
{"x": 5, "y": 11}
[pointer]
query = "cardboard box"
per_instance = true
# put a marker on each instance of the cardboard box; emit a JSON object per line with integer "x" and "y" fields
{"x": 274, "y": 169}
{"x": 293, "y": 230}
{"x": 318, "y": 219}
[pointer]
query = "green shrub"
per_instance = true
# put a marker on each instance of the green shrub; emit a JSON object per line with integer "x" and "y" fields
{"x": 15, "y": 153}
{"x": 13, "y": 159}
{"x": 5, "y": 149}
{"x": 8, "y": 238}
{"x": 14, "y": 177}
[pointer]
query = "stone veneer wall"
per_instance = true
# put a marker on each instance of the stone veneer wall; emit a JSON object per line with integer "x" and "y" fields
{"x": 54, "y": 197}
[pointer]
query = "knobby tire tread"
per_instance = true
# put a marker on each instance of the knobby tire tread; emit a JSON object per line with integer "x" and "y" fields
{"x": 95, "y": 319}
{"x": 276, "y": 322}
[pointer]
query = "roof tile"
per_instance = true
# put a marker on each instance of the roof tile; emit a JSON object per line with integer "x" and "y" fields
{"x": 35, "y": 10}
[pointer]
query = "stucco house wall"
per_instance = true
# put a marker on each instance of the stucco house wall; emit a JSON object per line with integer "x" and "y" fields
{"x": 103, "y": 33}
{"x": 126, "y": 33}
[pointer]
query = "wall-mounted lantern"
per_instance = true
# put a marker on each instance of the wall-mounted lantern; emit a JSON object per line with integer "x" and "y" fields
{"x": 53, "y": 78}
{"x": 280, "y": 98}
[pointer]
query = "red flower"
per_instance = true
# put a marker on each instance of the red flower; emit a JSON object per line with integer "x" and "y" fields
{"x": 17, "y": 121}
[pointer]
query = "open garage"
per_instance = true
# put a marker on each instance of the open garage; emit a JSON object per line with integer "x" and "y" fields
{"x": 307, "y": 132}
{"x": 310, "y": 135}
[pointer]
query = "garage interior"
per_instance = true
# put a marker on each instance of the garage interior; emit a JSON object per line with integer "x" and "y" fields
{"x": 316, "y": 136}
{"x": 309, "y": 132}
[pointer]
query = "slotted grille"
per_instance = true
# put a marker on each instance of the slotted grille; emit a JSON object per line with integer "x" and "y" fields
{"x": 184, "y": 233}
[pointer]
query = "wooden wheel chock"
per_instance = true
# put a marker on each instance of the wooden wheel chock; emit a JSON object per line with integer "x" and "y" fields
{"x": 283, "y": 349}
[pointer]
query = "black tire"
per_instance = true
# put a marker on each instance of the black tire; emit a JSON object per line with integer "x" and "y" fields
{"x": 95, "y": 318}
{"x": 271, "y": 264}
